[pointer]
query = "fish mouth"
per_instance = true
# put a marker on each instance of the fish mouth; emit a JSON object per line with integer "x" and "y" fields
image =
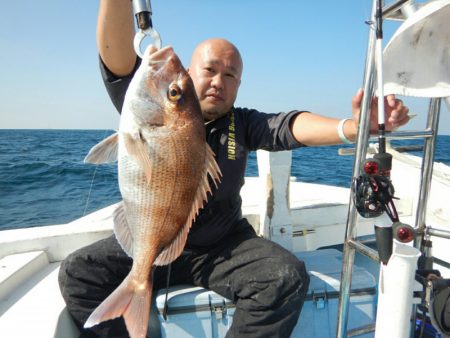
{"x": 158, "y": 57}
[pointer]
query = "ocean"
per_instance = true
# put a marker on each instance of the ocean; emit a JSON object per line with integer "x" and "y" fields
{"x": 43, "y": 179}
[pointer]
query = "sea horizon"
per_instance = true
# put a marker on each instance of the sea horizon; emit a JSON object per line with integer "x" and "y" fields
{"x": 43, "y": 179}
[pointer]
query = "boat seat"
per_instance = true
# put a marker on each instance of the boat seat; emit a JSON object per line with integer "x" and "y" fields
{"x": 31, "y": 304}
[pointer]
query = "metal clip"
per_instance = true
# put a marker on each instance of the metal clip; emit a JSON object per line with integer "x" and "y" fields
{"x": 320, "y": 299}
{"x": 140, "y": 36}
{"x": 428, "y": 294}
{"x": 219, "y": 310}
{"x": 143, "y": 12}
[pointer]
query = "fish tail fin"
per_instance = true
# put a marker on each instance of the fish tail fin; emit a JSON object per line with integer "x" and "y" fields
{"x": 133, "y": 304}
{"x": 138, "y": 313}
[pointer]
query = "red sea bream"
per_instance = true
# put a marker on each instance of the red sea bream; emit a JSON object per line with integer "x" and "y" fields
{"x": 163, "y": 167}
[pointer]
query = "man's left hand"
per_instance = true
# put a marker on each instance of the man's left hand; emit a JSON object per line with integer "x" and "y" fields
{"x": 396, "y": 114}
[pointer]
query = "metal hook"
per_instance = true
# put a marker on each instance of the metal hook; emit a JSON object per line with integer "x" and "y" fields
{"x": 140, "y": 36}
{"x": 143, "y": 12}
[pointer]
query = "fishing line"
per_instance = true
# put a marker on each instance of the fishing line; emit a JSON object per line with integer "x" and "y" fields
{"x": 92, "y": 181}
{"x": 84, "y": 214}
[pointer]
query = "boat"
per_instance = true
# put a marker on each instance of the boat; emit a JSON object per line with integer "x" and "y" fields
{"x": 320, "y": 223}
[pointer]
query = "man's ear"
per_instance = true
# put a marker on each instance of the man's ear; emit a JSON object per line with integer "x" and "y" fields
{"x": 188, "y": 69}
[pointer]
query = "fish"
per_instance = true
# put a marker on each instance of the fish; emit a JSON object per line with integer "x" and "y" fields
{"x": 166, "y": 170}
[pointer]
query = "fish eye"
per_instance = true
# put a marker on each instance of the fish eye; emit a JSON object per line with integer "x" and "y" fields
{"x": 174, "y": 93}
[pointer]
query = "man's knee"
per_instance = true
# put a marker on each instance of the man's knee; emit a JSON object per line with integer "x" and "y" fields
{"x": 280, "y": 281}
{"x": 96, "y": 263}
{"x": 294, "y": 279}
{"x": 68, "y": 270}
{"x": 303, "y": 277}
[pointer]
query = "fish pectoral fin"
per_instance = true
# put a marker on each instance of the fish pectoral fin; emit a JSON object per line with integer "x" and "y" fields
{"x": 137, "y": 149}
{"x": 105, "y": 151}
{"x": 172, "y": 251}
{"x": 122, "y": 230}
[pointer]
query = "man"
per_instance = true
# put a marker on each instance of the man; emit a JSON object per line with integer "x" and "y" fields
{"x": 267, "y": 283}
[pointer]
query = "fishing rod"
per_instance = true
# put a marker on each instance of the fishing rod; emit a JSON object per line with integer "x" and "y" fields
{"x": 383, "y": 230}
{"x": 383, "y": 157}
{"x": 142, "y": 10}
{"x": 379, "y": 67}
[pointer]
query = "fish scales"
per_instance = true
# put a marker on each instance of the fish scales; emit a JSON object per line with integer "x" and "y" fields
{"x": 169, "y": 201}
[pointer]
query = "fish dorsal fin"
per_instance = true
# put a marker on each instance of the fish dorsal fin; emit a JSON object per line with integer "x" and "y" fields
{"x": 104, "y": 152}
{"x": 122, "y": 230}
{"x": 137, "y": 149}
{"x": 171, "y": 252}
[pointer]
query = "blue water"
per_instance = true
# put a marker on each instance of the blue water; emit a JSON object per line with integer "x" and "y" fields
{"x": 43, "y": 179}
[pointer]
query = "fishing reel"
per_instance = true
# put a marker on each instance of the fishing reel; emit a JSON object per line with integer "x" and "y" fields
{"x": 374, "y": 192}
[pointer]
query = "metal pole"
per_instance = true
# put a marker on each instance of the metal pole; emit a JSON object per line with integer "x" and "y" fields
{"x": 361, "y": 149}
{"x": 402, "y": 135}
{"x": 389, "y": 9}
{"x": 425, "y": 179}
{"x": 427, "y": 167}
{"x": 438, "y": 232}
{"x": 365, "y": 250}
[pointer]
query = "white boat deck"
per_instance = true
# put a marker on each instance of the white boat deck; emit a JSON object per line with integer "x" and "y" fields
{"x": 31, "y": 304}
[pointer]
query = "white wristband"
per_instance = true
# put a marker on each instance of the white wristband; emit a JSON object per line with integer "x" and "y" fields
{"x": 340, "y": 130}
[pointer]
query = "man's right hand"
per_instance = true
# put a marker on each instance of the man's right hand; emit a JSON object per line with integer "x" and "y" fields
{"x": 115, "y": 34}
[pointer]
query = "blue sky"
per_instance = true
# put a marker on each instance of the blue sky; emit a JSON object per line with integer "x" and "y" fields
{"x": 305, "y": 55}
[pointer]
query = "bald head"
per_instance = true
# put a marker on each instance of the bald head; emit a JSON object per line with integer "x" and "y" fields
{"x": 216, "y": 69}
{"x": 221, "y": 47}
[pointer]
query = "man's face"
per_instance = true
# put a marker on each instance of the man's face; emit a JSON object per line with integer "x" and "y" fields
{"x": 216, "y": 69}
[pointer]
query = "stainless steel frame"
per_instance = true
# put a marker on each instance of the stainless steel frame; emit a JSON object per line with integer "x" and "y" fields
{"x": 351, "y": 244}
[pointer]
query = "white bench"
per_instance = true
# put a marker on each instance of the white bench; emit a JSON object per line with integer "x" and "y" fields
{"x": 31, "y": 304}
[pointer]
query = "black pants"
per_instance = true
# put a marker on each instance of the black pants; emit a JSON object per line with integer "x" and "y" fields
{"x": 266, "y": 282}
